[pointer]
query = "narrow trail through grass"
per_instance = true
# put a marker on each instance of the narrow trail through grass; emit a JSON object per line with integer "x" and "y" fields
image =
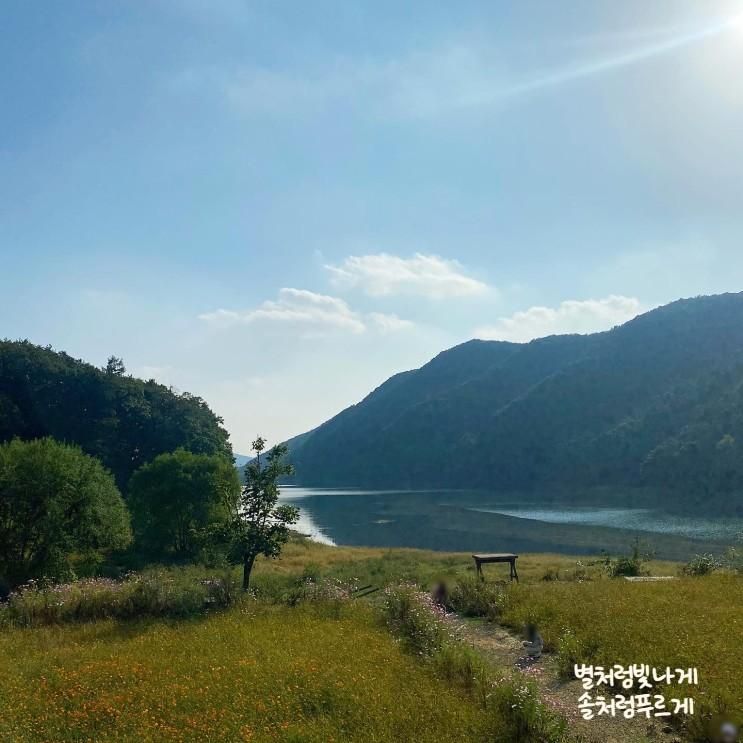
{"x": 503, "y": 649}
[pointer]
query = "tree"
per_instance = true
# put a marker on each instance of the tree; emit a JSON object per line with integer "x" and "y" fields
{"x": 179, "y": 499}
{"x": 115, "y": 366}
{"x": 260, "y": 526}
{"x": 58, "y": 508}
{"x": 122, "y": 421}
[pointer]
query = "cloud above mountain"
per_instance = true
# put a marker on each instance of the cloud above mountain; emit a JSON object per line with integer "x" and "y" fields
{"x": 570, "y": 316}
{"x": 421, "y": 275}
{"x": 309, "y": 312}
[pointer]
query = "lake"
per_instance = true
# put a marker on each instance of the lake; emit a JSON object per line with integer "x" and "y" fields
{"x": 478, "y": 521}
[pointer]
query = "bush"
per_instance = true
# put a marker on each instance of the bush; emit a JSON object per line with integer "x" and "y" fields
{"x": 413, "y": 616}
{"x": 701, "y": 565}
{"x": 156, "y": 594}
{"x": 328, "y": 595}
{"x": 59, "y": 510}
{"x": 179, "y": 502}
{"x": 625, "y": 566}
{"x": 472, "y": 597}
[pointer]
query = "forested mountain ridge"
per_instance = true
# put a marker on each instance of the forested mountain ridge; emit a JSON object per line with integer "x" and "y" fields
{"x": 657, "y": 401}
{"x": 119, "y": 419}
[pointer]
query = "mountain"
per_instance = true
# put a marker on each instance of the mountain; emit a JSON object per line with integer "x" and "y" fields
{"x": 655, "y": 402}
{"x": 123, "y": 421}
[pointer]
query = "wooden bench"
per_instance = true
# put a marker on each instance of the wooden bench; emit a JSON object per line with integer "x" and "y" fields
{"x": 481, "y": 560}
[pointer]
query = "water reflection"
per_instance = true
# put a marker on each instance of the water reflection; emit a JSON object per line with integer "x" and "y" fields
{"x": 467, "y": 520}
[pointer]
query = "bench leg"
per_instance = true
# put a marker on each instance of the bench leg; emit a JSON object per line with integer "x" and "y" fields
{"x": 514, "y": 574}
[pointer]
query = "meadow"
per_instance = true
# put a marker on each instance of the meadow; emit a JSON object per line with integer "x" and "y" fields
{"x": 253, "y": 673}
{"x": 279, "y": 667}
{"x": 690, "y": 622}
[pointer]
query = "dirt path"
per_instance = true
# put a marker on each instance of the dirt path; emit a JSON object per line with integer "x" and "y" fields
{"x": 504, "y": 650}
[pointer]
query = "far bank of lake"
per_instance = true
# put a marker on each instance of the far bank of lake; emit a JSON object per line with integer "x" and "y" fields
{"x": 478, "y": 521}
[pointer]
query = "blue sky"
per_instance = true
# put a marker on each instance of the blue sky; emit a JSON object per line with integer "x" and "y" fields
{"x": 277, "y": 205}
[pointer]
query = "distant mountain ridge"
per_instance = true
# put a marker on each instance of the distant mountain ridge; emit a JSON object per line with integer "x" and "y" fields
{"x": 657, "y": 401}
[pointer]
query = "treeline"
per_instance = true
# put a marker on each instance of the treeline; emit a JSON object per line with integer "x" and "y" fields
{"x": 657, "y": 402}
{"x": 61, "y": 514}
{"x": 122, "y": 421}
{"x": 95, "y": 462}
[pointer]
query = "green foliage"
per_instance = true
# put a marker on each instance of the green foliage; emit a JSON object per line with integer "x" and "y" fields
{"x": 684, "y": 623}
{"x": 472, "y": 597}
{"x": 158, "y": 593}
{"x": 626, "y": 566}
{"x": 58, "y": 507}
{"x": 657, "y": 402}
{"x": 702, "y": 565}
{"x": 260, "y": 526}
{"x": 513, "y": 710}
{"x": 415, "y": 618}
{"x": 256, "y": 672}
{"x": 519, "y": 715}
{"x": 115, "y": 366}
{"x": 573, "y": 649}
{"x": 178, "y": 500}
{"x": 124, "y": 422}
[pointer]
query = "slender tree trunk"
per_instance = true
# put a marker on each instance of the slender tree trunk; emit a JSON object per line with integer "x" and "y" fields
{"x": 247, "y": 569}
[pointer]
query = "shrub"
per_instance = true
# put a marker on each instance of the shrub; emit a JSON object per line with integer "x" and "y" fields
{"x": 625, "y": 566}
{"x": 701, "y": 565}
{"x": 472, "y": 597}
{"x": 178, "y": 501}
{"x": 59, "y": 510}
{"x": 328, "y": 595}
{"x": 413, "y": 616}
{"x": 161, "y": 593}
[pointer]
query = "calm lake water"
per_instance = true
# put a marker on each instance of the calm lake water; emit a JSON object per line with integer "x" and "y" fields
{"x": 467, "y": 520}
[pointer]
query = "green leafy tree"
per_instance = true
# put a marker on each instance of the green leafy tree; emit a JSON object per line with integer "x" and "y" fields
{"x": 179, "y": 499}
{"x": 260, "y": 526}
{"x": 115, "y": 366}
{"x": 58, "y": 508}
{"x": 123, "y": 421}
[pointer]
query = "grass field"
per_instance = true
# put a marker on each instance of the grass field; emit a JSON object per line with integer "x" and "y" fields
{"x": 256, "y": 673}
{"x": 690, "y": 622}
{"x": 264, "y": 671}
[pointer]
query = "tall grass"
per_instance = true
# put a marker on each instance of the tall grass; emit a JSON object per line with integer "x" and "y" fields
{"x": 689, "y": 622}
{"x": 256, "y": 672}
{"x": 174, "y": 592}
{"x": 512, "y": 706}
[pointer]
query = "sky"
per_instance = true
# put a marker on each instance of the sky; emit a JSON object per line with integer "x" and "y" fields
{"x": 278, "y": 205}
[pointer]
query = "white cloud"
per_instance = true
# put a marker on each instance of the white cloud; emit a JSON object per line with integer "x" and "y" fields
{"x": 222, "y": 318}
{"x": 571, "y": 316}
{"x": 389, "y": 323}
{"x": 422, "y": 275}
{"x": 313, "y": 313}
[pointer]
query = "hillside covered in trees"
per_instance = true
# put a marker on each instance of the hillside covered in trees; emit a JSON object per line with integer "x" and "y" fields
{"x": 656, "y": 402}
{"x": 123, "y": 421}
